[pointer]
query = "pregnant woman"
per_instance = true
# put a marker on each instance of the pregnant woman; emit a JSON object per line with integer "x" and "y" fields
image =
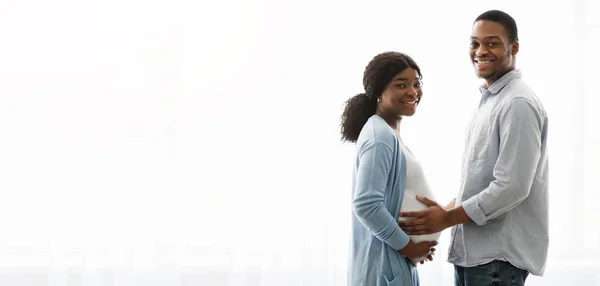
{"x": 385, "y": 174}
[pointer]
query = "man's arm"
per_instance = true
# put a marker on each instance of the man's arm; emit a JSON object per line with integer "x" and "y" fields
{"x": 519, "y": 153}
{"x": 434, "y": 219}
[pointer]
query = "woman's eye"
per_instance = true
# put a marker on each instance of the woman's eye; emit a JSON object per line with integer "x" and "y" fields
{"x": 401, "y": 85}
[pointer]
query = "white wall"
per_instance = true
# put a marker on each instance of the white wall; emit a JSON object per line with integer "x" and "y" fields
{"x": 179, "y": 142}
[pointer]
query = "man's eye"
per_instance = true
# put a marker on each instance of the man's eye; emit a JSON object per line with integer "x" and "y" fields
{"x": 491, "y": 44}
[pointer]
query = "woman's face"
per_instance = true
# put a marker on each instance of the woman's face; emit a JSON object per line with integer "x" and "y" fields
{"x": 402, "y": 95}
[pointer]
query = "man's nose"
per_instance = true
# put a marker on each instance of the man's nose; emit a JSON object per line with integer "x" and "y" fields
{"x": 481, "y": 50}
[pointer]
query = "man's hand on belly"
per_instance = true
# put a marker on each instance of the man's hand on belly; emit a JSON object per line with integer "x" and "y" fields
{"x": 434, "y": 219}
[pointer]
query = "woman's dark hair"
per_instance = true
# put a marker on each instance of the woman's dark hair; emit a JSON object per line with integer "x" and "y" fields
{"x": 378, "y": 73}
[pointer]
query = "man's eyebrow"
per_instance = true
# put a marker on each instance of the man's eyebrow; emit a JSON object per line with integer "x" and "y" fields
{"x": 486, "y": 38}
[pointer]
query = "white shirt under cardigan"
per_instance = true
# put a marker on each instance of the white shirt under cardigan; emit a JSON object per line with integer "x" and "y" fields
{"x": 416, "y": 184}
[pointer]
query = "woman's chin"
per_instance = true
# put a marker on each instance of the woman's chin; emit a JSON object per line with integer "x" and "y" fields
{"x": 409, "y": 112}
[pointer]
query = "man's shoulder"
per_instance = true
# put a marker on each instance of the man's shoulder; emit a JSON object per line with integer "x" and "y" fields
{"x": 518, "y": 88}
{"x": 519, "y": 92}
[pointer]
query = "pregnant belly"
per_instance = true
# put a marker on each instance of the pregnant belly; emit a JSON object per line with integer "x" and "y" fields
{"x": 410, "y": 203}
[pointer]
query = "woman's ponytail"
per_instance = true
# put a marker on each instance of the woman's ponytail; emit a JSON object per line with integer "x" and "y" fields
{"x": 358, "y": 109}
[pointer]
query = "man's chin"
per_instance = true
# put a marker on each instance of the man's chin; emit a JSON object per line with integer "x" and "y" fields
{"x": 486, "y": 75}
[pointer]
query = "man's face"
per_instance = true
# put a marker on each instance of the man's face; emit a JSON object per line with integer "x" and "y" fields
{"x": 492, "y": 53}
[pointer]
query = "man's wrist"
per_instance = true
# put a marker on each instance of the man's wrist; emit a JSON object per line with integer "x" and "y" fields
{"x": 456, "y": 216}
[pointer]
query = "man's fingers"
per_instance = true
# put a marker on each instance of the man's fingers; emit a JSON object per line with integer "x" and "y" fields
{"x": 426, "y": 201}
{"x": 403, "y": 223}
{"x": 414, "y": 228}
{"x": 415, "y": 232}
{"x": 411, "y": 222}
{"x": 416, "y": 214}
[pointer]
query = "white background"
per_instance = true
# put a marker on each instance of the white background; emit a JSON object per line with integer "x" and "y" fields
{"x": 197, "y": 143}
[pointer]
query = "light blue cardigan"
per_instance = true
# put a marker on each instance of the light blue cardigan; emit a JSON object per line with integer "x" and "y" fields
{"x": 377, "y": 192}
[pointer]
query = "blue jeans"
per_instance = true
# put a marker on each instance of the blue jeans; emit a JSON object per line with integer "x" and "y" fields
{"x": 497, "y": 272}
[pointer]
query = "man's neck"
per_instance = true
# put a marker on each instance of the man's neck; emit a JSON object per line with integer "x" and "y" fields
{"x": 491, "y": 81}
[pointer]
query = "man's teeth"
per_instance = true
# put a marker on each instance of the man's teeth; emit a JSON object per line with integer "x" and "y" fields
{"x": 483, "y": 62}
{"x": 410, "y": 102}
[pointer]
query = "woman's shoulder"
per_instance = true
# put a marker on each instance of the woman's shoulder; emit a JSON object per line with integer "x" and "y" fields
{"x": 376, "y": 130}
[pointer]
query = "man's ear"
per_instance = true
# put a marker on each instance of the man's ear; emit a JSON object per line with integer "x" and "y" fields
{"x": 515, "y": 48}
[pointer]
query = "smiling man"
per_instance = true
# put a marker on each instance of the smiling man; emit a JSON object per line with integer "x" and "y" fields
{"x": 499, "y": 219}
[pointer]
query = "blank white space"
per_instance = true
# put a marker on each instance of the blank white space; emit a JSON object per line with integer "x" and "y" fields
{"x": 180, "y": 142}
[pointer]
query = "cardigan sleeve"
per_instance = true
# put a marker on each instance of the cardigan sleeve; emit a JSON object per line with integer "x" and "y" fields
{"x": 374, "y": 164}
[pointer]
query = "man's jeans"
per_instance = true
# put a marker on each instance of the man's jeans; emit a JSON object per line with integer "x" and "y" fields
{"x": 497, "y": 272}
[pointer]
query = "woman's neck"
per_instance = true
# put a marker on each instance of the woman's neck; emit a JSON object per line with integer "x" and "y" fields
{"x": 392, "y": 120}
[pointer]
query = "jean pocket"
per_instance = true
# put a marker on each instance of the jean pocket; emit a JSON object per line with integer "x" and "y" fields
{"x": 485, "y": 274}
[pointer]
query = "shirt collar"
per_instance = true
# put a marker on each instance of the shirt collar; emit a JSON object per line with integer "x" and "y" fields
{"x": 500, "y": 83}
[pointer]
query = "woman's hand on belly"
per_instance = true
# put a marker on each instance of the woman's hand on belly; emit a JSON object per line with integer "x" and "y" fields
{"x": 418, "y": 251}
{"x": 424, "y": 259}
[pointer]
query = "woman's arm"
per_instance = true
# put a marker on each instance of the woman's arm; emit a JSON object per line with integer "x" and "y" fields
{"x": 375, "y": 161}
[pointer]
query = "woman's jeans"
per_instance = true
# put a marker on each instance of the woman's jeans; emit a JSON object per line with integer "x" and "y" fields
{"x": 497, "y": 272}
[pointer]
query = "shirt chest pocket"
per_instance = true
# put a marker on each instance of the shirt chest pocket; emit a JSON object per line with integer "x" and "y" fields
{"x": 479, "y": 142}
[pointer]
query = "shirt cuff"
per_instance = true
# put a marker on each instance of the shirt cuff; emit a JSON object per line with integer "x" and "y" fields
{"x": 471, "y": 207}
{"x": 398, "y": 240}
